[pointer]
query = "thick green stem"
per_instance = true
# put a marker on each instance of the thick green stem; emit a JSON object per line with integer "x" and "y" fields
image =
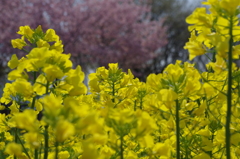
{"x": 229, "y": 93}
{"x": 56, "y": 150}
{"x": 33, "y": 102}
{"x": 17, "y": 138}
{"x": 113, "y": 92}
{"x": 47, "y": 87}
{"x": 141, "y": 103}
{"x": 46, "y": 137}
{"x": 36, "y": 154}
{"x": 121, "y": 147}
{"x": 177, "y": 131}
{"x": 16, "y": 131}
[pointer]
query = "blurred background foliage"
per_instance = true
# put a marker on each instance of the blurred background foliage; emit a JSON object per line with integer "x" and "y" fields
{"x": 145, "y": 35}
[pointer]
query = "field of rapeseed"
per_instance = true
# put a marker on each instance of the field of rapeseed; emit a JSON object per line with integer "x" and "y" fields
{"x": 181, "y": 113}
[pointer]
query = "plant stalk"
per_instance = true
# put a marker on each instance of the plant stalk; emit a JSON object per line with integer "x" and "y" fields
{"x": 229, "y": 93}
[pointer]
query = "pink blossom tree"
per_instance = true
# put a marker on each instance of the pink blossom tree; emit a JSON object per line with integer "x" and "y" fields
{"x": 96, "y": 32}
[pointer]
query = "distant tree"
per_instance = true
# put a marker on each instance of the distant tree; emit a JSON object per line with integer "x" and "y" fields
{"x": 174, "y": 12}
{"x": 96, "y": 32}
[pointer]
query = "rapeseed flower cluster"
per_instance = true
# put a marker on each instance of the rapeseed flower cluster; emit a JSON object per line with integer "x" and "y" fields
{"x": 179, "y": 113}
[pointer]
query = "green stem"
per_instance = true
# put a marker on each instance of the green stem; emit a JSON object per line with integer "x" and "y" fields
{"x": 177, "y": 131}
{"x": 34, "y": 76}
{"x": 47, "y": 87}
{"x": 121, "y": 147}
{"x": 46, "y": 137}
{"x": 229, "y": 93}
{"x": 33, "y": 102}
{"x": 135, "y": 105}
{"x": 16, "y": 130}
{"x": 36, "y": 154}
{"x": 113, "y": 92}
{"x": 24, "y": 149}
{"x": 141, "y": 103}
{"x": 56, "y": 150}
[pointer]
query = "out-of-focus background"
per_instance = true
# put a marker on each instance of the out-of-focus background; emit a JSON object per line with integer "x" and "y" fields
{"x": 143, "y": 35}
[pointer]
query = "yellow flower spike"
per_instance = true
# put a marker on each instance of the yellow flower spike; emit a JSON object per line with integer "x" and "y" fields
{"x": 222, "y": 48}
{"x": 14, "y": 108}
{"x": 51, "y": 36}
{"x": 154, "y": 81}
{"x": 131, "y": 155}
{"x": 102, "y": 72}
{"x": 58, "y": 46}
{"x": 219, "y": 66}
{"x": 99, "y": 139}
{"x": 113, "y": 67}
{"x": 167, "y": 95}
{"x": 41, "y": 43}
{"x": 53, "y": 72}
{"x": 63, "y": 155}
{"x": 209, "y": 90}
{"x": 106, "y": 151}
{"x": 191, "y": 88}
{"x": 23, "y": 87}
{"x": 13, "y": 63}
{"x": 13, "y": 149}
{"x": 93, "y": 83}
{"x": 204, "y": 132}
{"x": 89, "y": 151}
{"x": 145, "y": 123}
{"x": 26, "y": 31}
{"x": 200, "y": 18}
{"x": 8, "y": 91}
{"x": 27, "y": 120}
{"x": 2, "y": 145}
{"x": 16, "y": 74}
{"x": 146, "y": 141}
{"x": 78, "y": 90}
{"x": 201, "y": 156}
{"x": 52, "y": 104}
{"x": 161, "y": 149}
{"x": 207, "y": 144}
{"x": 18, "y": 43}
{"x": 235, "y": 139}
{"x": 74, "y": 77}
{"x": 230, "y": 6}
{"x": 174, "y": 72}
{"x": 219, "y": 137}
{"x": 36, "y": 58}
{"x": 33, "y": 139}
{"x": 201, "y": 110}
{"x": 39, "y": 86}
{"x": 7, "y": 135}
{"x": 64, "y": 130}
{"x": 194, "y": 47}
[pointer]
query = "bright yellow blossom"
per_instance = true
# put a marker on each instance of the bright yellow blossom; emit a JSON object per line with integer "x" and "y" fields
{"x": 18, "y": 43}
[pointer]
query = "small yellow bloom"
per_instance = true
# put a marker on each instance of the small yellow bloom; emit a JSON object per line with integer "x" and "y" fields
{"x": 63, "y": 155}
{"x": 13, "y": 63}
{"x": 27, "y": 120}
{"x": 64, "y": 130}
{"x": 161, "y": 149}
{"x": 13, "y": 149}
{"x": 201, "y": 156}
{"x": 42, "y": 43}
{"x": 195, "y": 47}
{"x": 51, "y": 36}
{"x": 26, "y": 31}
{"x": 18, "y": 43}
{"x": 23, "y": 87}
{"x": 52, "y": 104}
{"x": 33, "y": 139}
{"x": 53, "y": 72}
